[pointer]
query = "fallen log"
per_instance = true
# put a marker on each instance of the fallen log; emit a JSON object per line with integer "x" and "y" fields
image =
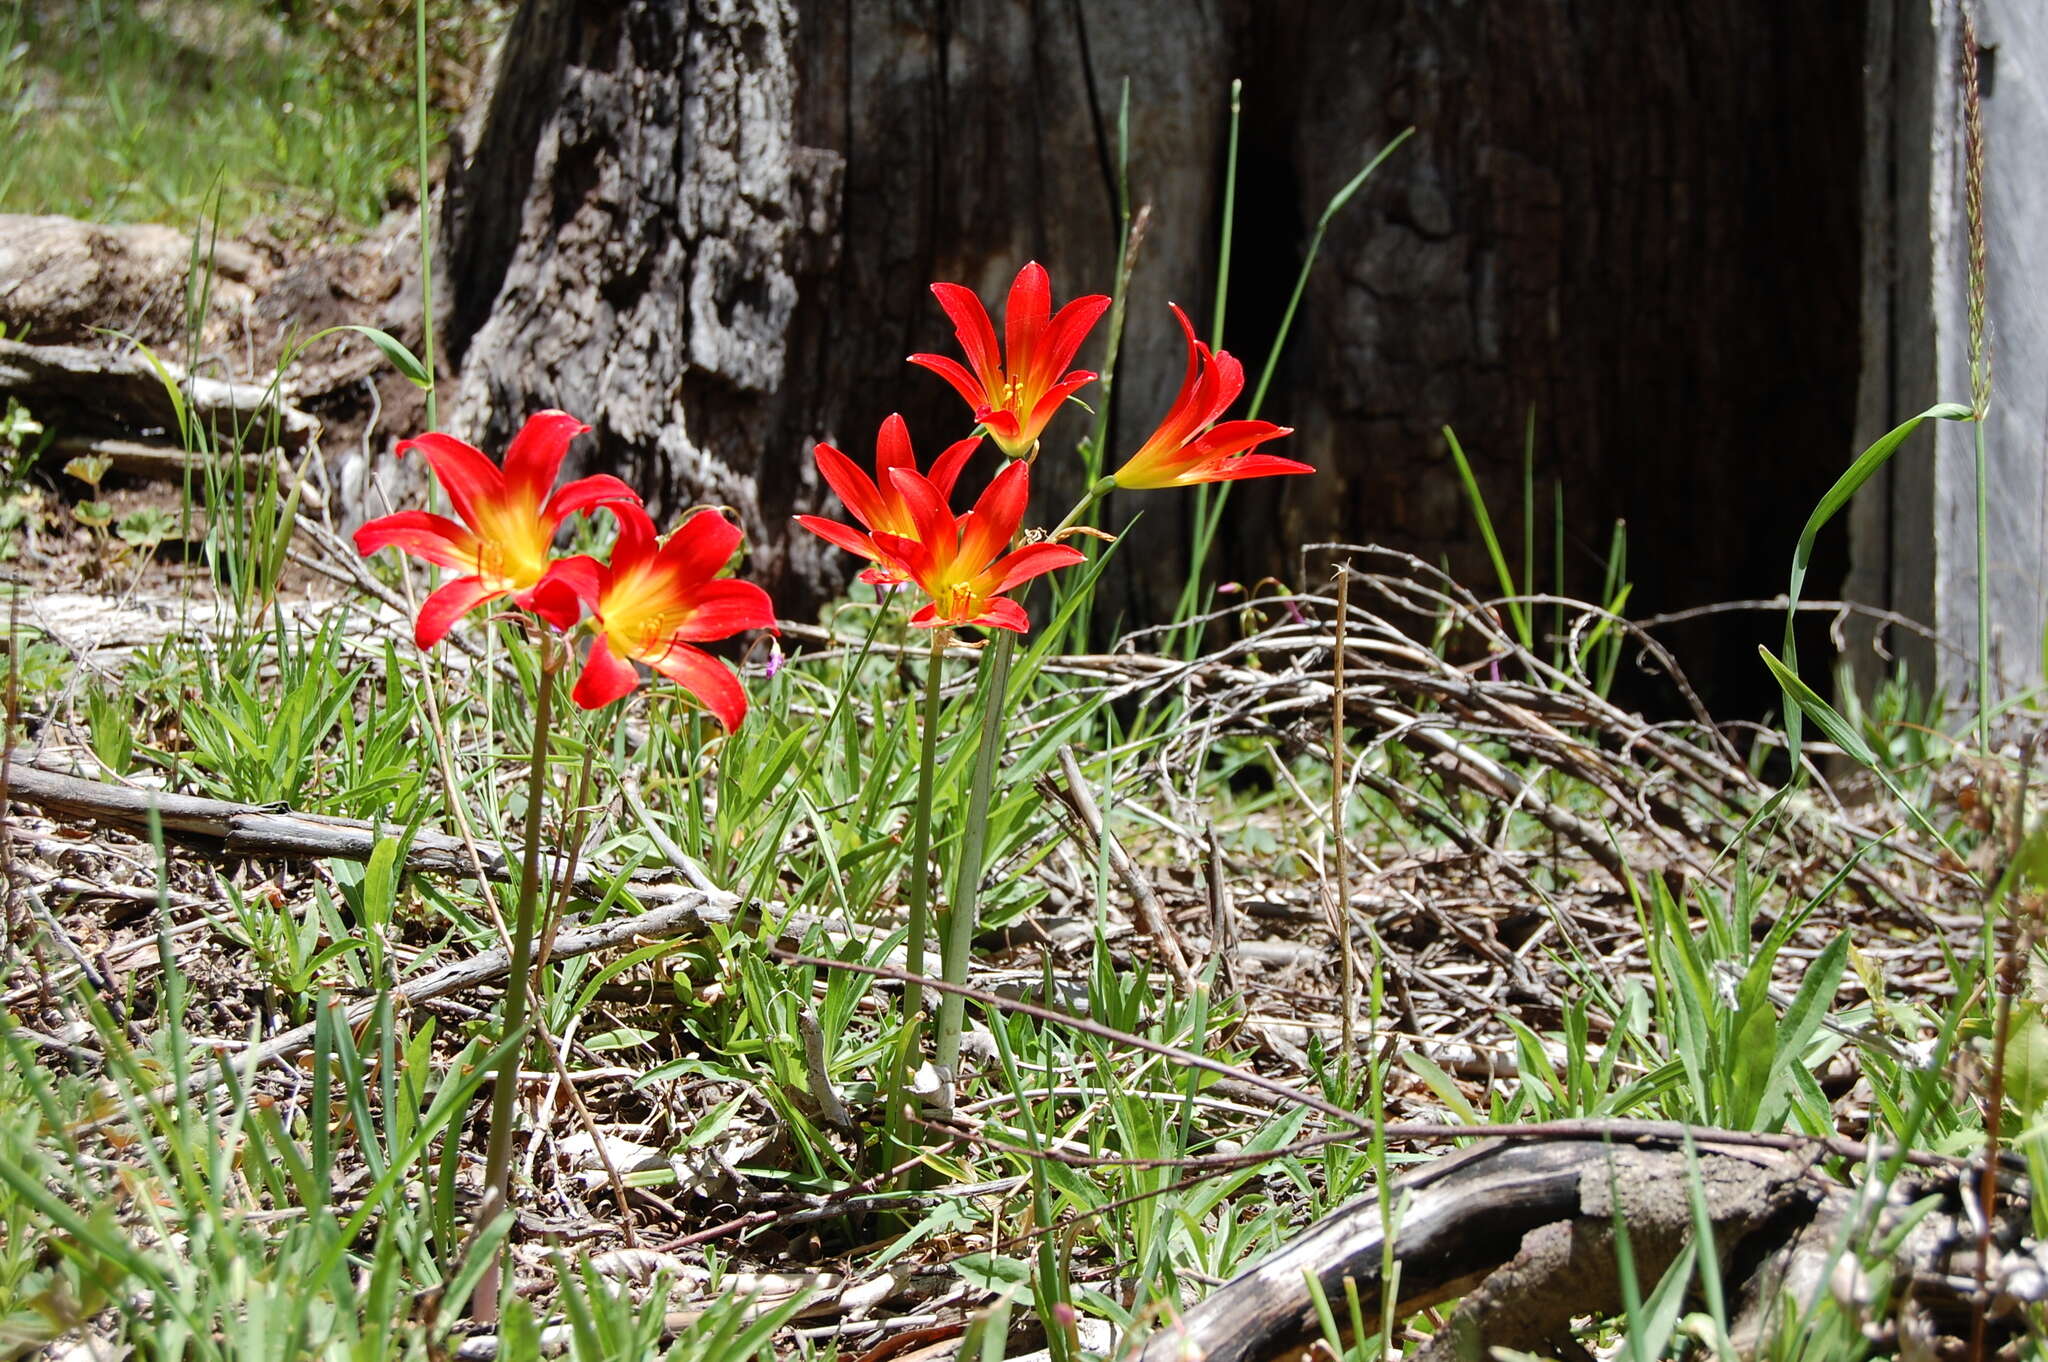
{"x": 95, "y": 393}
{"x": 1524, "y": 1233}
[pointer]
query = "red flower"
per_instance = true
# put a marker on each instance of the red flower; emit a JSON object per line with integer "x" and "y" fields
{"x": 508, "y": 522}
{"x": 878, "y": 505}
{"x": 1189, "y": 447}
{"x": 1015, "y": 400}
{"x": 655, "y": 600}
{"x": 963, "y": 564}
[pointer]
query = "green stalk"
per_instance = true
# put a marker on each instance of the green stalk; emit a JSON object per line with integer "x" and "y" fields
{"x": 1097, "y": 490}
{"x": 960, "y": 914}
{"x": 498, "y": 1155}
{"x": 921, "y": 831}
{"x": 1983, "y": 596}
{"x": 1207, "y": 524}
{"x": 1095, "y": 449}
{"x": 1206, "y": 492}
{"x": 419, "y": 103}
{"x": 896, "y": 1118}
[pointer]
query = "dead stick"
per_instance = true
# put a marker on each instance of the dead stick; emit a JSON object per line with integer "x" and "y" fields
{"x": 1342, "y": 914}
{"x": 1151, "y": 913}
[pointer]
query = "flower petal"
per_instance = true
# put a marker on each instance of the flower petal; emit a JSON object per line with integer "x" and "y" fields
{"x": 964, "y": 383}
{"x": 1004, "y": 428}
{"x": 587, "y": 494}
{"x": 946, "y": 468}
{"x": 583, "y": 576}
{"x": 1033, "y": 560}
{"x": 1056, "y": 396}
{"x": 700, "y": 547}
{"x": 911, "y": 556}
{"x": 1070, "y": 327}
{"x": 635, "y": 544}
{"x": 853, "y": 487}
{"x": 606, "y": 677}
{"x": 465, "y": 473}
{"x": 842, "y": 536}
{"x": 928, "y": 512}
{"x": 1001, "y": 612}
{"x": 554, "y": 601}
{"x": 422, "y": 534}
{"x": 455, "y": 599}
{"x": 1233, "y": 468}
{"x": 971, "y": 327}
{"x": 988, "y": 529}
{"x": 1024, "y": 319}
{"x": 892, "y": 448}
{"x": 536, "y": 452}
{"x": 726, "y": 607}
{"x": 1234, "y": 437}
{"x": 705, "y": 677}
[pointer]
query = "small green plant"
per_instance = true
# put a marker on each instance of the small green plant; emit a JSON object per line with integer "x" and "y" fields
{"x": 94, "y": 513}
{"x": 144, "y": 529}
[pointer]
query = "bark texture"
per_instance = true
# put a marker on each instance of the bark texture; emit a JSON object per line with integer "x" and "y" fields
{"x": 707, "y": 226}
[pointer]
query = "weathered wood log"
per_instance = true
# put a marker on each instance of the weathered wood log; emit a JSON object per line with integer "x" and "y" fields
{"x": 93, "y": 393}
{"x": 1523, "y": 1231}
{"x": 62, "y": 281}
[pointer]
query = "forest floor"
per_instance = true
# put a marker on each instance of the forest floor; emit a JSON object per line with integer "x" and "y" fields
{"x": 1280, "y": 903}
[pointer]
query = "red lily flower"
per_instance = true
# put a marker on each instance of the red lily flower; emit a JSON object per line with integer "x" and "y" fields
{"x": 877, "y": 505}
{"x": 506, "y": 537}
{"x": 1015, "y": 400}
{"x": 658, "y": 598}
{"x": 963, "y": 564}
{"x": 1189, "y": 447}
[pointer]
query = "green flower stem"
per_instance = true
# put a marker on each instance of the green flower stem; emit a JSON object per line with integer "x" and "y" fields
{"x": 498, "y": 1155}
{"x": 921, "y": 831}
{"x": 1097, "y": 490}
{"x": 960, "y": 913}
{"x": 897, "y": 1116}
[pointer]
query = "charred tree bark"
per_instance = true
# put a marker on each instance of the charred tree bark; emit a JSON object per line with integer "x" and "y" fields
{"x": 707, "y": 226}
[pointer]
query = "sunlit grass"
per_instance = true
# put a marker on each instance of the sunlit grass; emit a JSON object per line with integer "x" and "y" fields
{"x": 127, "y": 111}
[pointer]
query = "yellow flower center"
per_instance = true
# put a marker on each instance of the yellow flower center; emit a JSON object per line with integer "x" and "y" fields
{"x": 513, "y": 547}
{"x": 1013, "y": 396}
{"x": 956, "y": 602}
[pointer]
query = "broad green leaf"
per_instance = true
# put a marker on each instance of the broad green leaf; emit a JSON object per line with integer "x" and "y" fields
{"x": 394, "y": 350}
{"x": 2026, "y": 1059}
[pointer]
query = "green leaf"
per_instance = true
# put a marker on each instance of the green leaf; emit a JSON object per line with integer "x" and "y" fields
{"x": 993, "y": 1272}
{"x": 1866, "y": 466}
{"x": 1826, "y": 718}
{"x": 89, "y": 469}
{"x": 1843, "y": 734}
{"x": 620, "y": 1038}
{"x": 2026, "y": 1059}
{"x": 394, "y": 350}
{"x": 147, "y": 527}
{"x": 380, "y": 880}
